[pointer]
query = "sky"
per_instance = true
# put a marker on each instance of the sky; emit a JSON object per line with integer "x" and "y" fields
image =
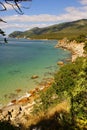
{"x": 42, "y": 13}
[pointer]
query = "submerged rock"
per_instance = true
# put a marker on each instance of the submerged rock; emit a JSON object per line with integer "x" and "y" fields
{"x": 13, "y": 96}
{"x": 18, "y": 90}
{"x": 34, "y": 77}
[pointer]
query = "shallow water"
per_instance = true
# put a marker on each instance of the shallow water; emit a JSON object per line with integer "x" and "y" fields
{"x": 20, "y": 59}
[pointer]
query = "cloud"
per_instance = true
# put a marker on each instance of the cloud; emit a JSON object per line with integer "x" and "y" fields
{"x": 25, "y": 22}
{"x": 8, "y": 6}
{"x": 76, "y": 13}
{"x": 21, "y": 27}
{"x": 84, "y": 2}
{"x": 72, "y": 13}
{"x": 33, "y": 18}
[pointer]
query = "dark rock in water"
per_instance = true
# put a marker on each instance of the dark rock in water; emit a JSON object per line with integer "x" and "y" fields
{"x": 34, "y": 77}
{"x": 13, "y": 96}
{"x": 18, "y": 90}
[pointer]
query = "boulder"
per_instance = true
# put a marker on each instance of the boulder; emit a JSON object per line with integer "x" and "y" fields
{"x": 34, "y": 77}
{"x": 60, "y": 63}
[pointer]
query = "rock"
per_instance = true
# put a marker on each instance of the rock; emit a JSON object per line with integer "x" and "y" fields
{"x": 68, "y": 60}
{"x": 13, "y": 96}
{"x": 34, "y": 77}
{"x": 32, "y": 92}
{"x": 57, "y": 45}
{"x": 13, "y": 101}
{"x": 60, "y": 63}
{"x": 18, "y": 90}
{"x": 23, "y": 100}
{"x": 37, "y": 89}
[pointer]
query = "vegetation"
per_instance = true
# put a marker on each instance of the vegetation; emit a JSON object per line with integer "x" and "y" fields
{"x": 2, "y": 32}
{"x": 58, "y": 31}
{"x": 62, "y": 106}
{"x": 85, "y": 47}
{"x": 81, "y": 38}
{"x": 70, "y": 85}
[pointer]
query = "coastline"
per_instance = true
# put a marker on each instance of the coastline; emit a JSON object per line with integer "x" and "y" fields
{"x": 75, "y": 48}
{"x": 29, "y": 60}
{"x": 24, "y": 105}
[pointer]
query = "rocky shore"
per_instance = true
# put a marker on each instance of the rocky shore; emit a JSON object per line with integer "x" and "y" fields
{"x": 75, "y": 48}
{"x": 17, "y": 111}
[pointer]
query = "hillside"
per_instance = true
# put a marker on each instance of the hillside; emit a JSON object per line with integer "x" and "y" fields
{"x": 68, "y": 29}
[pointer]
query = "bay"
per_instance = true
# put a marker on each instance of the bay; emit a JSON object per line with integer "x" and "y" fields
{"x": 20, "y": 59}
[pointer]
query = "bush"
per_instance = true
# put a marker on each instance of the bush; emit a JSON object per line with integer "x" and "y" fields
{"x": 67, "y": 76}
{"x": 85, "y": 47}
{"x": 81, "y": 38}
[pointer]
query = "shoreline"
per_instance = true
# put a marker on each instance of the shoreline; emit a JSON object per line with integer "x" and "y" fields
{"x": 24, "y": 105}
{"x": 75, "y": 48}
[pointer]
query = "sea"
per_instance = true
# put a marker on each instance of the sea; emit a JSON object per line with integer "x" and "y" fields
{"x": 20, "y": 59}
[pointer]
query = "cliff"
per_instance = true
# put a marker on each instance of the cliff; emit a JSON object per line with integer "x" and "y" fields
{"x": 76, "y": 48}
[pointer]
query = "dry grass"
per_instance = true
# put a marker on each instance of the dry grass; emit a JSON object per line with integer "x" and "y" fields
{"x": 35, "y": 119}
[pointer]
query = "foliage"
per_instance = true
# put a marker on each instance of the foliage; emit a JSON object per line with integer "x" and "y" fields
{"x": 66, "y": 77}
{"x": 47, "y": 98}
{"x": 70, "y": 83}
{"x": 81, "y": 100}
{"x": 15, "y": 34}
{"x": 2, "y": 32}
{"x": 85, "y": 47}
{"x": 81, "y": 38}
{"x": 58, "y": 31}
{"x": 72, "y": 79}
{"x": 14, "y": 4}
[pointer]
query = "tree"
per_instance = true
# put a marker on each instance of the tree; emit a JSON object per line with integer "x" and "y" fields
{"x": 15, "y": 6}
{"x": 2, "y": 32}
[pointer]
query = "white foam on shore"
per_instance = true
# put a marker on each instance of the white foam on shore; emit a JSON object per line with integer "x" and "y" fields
{"x": 25, "y": 96}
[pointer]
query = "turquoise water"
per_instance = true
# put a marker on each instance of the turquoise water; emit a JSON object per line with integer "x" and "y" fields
{"x": 20, "y": 59}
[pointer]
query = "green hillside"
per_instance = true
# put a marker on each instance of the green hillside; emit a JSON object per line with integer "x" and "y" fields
{"x": 67, "y": 29}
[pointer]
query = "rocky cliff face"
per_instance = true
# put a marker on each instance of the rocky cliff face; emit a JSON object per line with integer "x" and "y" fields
{"x": 76, "y": 48}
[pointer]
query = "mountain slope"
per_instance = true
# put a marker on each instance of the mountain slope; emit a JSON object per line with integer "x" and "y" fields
{"x": 55, "y": 31}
